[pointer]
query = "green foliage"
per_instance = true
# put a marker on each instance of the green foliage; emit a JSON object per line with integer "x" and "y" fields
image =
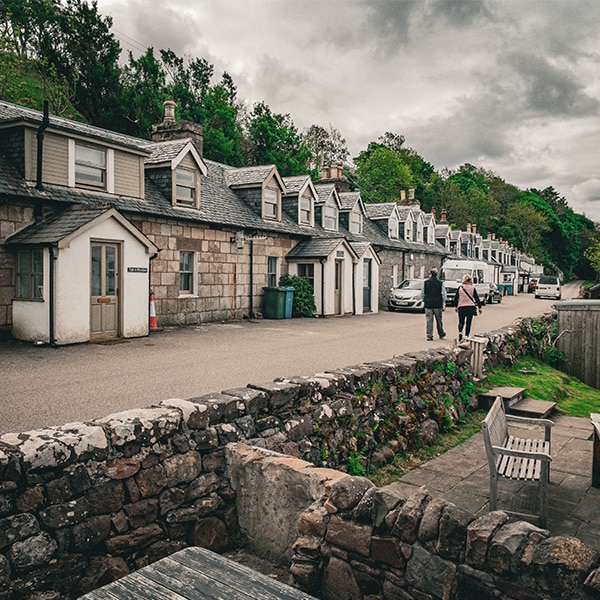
{"x": 304, "y": 299}
{"x": 450, "y": 368}
{"x": 355, "y": 464}
{"x": 467, "y": 392}
{"x": 541, "y": 340}
{"x": 274, "y": 139}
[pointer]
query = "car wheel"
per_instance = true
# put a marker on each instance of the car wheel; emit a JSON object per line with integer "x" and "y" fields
{"x": 537, "y": 297}
{"x": 391, "y": 309}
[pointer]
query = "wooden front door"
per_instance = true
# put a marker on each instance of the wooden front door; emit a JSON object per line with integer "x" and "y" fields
{"x": 104, "y": 296}
{"x": 337, "y": 291}
{"x": 367, "y": 275}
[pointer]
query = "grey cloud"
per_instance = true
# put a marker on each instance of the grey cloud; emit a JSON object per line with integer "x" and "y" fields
{"x": 460, "y": 13}
{"x": 549, "y": 90}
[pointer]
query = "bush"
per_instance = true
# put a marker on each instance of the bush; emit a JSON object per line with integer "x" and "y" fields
{"x": 304, "y": 300}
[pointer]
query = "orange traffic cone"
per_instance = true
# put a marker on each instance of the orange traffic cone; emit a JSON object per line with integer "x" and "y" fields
{"x": 153, "y": 325}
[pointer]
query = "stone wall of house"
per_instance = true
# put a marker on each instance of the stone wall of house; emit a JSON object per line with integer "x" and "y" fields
{"x": 223, "y": 271}
{"x": 12, "y": 219}
{"x": 85, "y": 503}
{"x": 402, "y": 260}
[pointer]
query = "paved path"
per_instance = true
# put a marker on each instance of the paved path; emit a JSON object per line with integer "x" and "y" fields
{"x": 42, "y": 386}
{"x": 461, "y": 476}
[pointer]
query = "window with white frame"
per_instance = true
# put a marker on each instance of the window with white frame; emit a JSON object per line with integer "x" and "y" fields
{"x": 355, "y": 222}
{"x": 30, "y": 274}
{"x": 272, "y": 270}
{"x": 307, "y": 271}
{"x": 306, "y": 209}
{"x": 330, "y": 217}
{"x": 90, "y": 166}
{"x": 187, "y": 279}
{"x": 393, "y": 228}
{"x": 185, "y": 187}
{"x": 271, "y": 203}
{"x": 394, "y": 275}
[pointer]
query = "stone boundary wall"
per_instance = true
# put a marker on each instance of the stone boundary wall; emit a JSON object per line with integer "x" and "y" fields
{"x": 85, "y": 503}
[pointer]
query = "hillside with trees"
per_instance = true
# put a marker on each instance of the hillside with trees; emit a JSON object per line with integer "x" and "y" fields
{"x": 64, "y": 51}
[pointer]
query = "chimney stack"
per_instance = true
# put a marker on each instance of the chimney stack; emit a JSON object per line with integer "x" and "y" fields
{"x": 402, "y": 195}
{"x": 474, "y": 227}
{"x": 468, "y": 227}
{"x": 434, "y": 212}
{"x": 411, "y": 193}
{"x": 170, "y": 129}
{"x": 444, "y": 215}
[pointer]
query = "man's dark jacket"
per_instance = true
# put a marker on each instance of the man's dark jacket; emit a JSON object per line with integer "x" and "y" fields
{"x": 433, "y": 293}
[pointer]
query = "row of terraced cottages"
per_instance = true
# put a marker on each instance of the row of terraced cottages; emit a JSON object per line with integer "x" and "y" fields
{"x": 92, "y": 221}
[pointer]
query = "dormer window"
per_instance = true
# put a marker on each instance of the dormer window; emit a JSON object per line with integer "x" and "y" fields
{"x": 393, "y": 228}
{"x": 271, "y": 203}
{"x": 356, "y": 222}
{"x": 330, "y": 217}
{"x": 186, "y": 193}
{"x": 306, "y": 210}
{"x": 90, "y": 166}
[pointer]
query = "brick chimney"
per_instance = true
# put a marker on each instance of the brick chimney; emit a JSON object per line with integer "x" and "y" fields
{"x": 411, "y": 193}
{"x": 468, "y": 227}
{"x": 434, "y": 212}
{"x": 170, "y": 129}
{"x": 444, "y": 215}
{"x": 474, "y": 227}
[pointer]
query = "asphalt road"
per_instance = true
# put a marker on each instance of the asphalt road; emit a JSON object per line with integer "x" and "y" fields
{"x": 44, "y": 386}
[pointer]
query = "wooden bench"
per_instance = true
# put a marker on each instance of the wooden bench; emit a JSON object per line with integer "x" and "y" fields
{"x": 517, "y": 459}
{"x": 196, "y": 574}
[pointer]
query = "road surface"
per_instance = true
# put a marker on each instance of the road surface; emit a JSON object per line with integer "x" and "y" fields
{"x": 44, "y": 386}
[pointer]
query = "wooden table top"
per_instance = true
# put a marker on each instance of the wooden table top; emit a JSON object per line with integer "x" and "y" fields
{"x": 196, "y": 574}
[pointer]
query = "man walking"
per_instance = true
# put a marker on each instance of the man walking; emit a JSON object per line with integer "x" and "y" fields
{"x": 433, "y": 294}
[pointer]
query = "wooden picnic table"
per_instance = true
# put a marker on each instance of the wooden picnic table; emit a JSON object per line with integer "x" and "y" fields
{"x": 196, "y": 574}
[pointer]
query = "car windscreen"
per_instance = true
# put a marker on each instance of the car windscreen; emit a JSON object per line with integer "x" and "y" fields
{"x": 548, "y": 281}
{"x": 453, "y": 274}
{"x": 411, "y": 284}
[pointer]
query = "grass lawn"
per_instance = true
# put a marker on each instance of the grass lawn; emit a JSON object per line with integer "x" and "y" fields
{"x": 543, "y": 382}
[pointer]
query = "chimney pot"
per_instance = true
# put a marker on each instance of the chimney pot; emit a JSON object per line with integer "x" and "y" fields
{"x": 474, "y": 228}
{"x": 468, "y": 227}
{"x": 411, "y": 193}
{"x": 434, "y": 213}
{"x": 444, "y": 214}
{"x": 169, "y": 106}
{"x": 402, "y": 194}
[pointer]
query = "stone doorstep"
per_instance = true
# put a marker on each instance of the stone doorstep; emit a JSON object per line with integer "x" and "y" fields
{"x": 531, "y": 407}
{"x": 510, "y": 395}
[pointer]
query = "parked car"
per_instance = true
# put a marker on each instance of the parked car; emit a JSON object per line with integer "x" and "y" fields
{"x": 406, "y": 296}
{"x": 495, "y": 294}
{"x": 548, "y": 287}
{"x": 532, "y": 284}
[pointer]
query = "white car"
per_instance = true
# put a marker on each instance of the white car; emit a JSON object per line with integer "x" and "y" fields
{"x": 406, "y": 296}
{"x": 548, "y": 287}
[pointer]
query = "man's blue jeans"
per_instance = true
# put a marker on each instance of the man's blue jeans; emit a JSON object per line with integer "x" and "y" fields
{"x": 434, "y": 313}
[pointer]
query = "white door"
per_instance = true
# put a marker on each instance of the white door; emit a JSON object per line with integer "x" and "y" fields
{"x": 104, "y": 296}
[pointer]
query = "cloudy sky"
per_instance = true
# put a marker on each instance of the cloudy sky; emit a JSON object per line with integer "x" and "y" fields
{"x": 512, "y": 86}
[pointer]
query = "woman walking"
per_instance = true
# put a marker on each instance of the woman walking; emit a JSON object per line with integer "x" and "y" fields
{"x": 467, "y": 305}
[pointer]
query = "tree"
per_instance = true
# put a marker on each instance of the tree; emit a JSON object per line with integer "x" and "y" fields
{"x": 274, "y": 139}
{"x": 528, "y": 226}
{"x": 327, "y": 146}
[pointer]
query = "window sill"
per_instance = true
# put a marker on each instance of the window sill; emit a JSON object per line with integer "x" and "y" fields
{"x": 28, "y": 300}
{"x": 188, "y": 296}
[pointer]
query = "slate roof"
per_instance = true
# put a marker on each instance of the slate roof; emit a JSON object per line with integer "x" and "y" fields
{"x": 348, "y": 200}
{"x": 324, "y": 191}
{"x": 11, "y": 113}
{"x": 315, "y": 248}
{"x": 56, "y": 228}
{"x": 293, "y": 185}
{"x": 247, "y": 176}
{"x": 380, "y": 211}
{"x": 166, "y": 151}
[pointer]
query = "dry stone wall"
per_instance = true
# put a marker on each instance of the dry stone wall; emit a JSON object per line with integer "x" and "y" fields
{"x": 86, "y": 503}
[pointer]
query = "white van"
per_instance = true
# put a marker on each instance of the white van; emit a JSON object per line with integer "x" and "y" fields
{"x": 548, "y": 287}
{"x": 452, "y": 272}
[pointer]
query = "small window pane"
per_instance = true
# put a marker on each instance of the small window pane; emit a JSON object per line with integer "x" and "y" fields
{"x": 96, "y": 271}
{"x": 186, "y": 272}
{"x": 30, "y": 273}
{"x": 90, "y": 165}
{"x": 185, "y": 188}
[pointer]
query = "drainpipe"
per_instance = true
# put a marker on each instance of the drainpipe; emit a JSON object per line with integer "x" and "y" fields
{"x": 403, "y": 265}
{"x": 40, "y": 145}
{"x": 323, "y": 261}
{"x": 354, "y": 265}
{"x": 51, "y": 296}
{"x": 251, "y": 295}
